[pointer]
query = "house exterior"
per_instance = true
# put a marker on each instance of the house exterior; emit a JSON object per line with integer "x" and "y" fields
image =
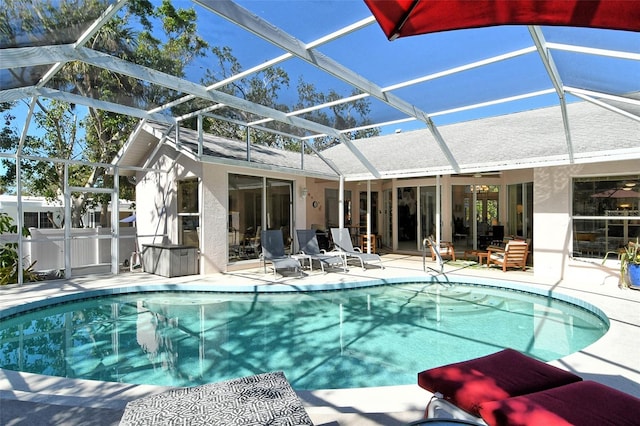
{"x": 541, "y": 184}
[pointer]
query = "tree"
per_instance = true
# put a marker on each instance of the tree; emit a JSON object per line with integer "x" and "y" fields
{"x": 340, "y": 116}
{"x": 97, "y": 136}
{"x": 265, "y": 88}
{"x": 164, "y": 38}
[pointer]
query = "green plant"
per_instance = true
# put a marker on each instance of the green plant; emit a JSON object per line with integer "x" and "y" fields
{"x": 9, "y": 256}
{"x": 630, "y": 255}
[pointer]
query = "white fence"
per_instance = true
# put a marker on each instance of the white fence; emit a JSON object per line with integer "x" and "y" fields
{"x": 89, "y": 247}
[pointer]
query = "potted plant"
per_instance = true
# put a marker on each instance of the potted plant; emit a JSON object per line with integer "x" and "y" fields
{"x": 630, "y": 265}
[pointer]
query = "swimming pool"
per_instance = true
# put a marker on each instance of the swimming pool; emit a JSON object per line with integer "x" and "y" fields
{"x": 375, "y": 335}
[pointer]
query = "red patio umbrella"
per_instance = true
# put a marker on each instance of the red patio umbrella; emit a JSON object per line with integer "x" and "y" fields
{"x": 402, "y": 18}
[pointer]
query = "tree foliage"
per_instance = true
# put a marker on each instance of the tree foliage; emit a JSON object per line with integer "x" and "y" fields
{"x": 9, "y": 255}
{"x": 98, "y": 135}
{"x": 265, "y": 88}
{"x": 162, "y": 37}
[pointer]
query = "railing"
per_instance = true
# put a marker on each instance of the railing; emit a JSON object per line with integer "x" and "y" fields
{"x": 89, "y": 247}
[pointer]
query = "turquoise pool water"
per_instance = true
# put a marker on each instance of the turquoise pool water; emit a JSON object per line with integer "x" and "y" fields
{"x": 372, "y": 336}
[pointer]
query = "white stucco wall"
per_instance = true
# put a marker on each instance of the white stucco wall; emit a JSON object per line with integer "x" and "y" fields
{"x": 215, "y": 200}
{"x": 213, "y": 225}
{"x": 156, "y": 207}
{"x": 552, "y": 204}
{"x": 156, "y": 200}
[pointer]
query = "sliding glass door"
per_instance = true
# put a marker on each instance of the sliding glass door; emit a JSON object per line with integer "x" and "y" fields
{"x": 416, "y": 216}
{"x": 476, "y": 215}
{"x": 248, "y": 214}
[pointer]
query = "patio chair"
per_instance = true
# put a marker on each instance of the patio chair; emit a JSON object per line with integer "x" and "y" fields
{"x": 514, "y": 255}
{"x": 342, "y": 243}
{"x": 445, "y": 249}
{"x": 310, "y": 247}
{"x": 273, "y": 251}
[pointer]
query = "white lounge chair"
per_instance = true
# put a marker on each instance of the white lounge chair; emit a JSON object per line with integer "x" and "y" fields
{"x": 342, "y": 243}
{"x": 309, "y": 247}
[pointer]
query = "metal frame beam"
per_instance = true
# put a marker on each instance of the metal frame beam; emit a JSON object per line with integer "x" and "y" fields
{"x": 554, "y": 76}
{"x": 254, "y": 24}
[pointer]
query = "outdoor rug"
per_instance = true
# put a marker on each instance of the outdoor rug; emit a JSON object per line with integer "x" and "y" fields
{"x": 263, "y": 399}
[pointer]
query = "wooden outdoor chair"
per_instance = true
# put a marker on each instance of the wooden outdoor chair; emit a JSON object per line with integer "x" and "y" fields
{"x": 514, "y": 255}
{"x": 445, "y": 249}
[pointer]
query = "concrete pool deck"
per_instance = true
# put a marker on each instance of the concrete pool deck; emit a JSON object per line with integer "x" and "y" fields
{"x": 614, "y": 360}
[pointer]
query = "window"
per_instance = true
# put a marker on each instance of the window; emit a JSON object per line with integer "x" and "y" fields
{"x": 46, "y": 220}
{"x": 188, "y": 212}
{"x": 31, "y": 219}
{"x": 606, "y": 213}
{"x": 520, "y": 212}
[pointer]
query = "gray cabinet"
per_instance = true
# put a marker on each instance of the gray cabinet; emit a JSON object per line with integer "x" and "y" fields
{"x": 170, "y": 260}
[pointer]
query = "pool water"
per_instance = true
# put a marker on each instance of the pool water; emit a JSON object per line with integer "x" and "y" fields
{"x": 375, "y": 336}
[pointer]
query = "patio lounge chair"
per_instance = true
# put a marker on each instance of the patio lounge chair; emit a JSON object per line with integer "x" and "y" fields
{"x": 497, "y": 376}
{"x": 342, "y": 243}
{"x": 514, "y": 255}
{"x": 273, "y": 251}
{"x": 580, "y": 403}
{"x": 510, "y": 388}
{"x": 309, "y": 246}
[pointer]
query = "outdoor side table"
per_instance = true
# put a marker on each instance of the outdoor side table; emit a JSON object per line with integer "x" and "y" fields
{"x": 301, "y": 257}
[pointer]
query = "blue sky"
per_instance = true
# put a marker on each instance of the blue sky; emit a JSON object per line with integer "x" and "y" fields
{"x": 368, "y": 53}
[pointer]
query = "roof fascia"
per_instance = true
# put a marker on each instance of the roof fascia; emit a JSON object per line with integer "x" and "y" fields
{"x": 130, "y": 140}
{"x": 254, "y": 24}
{"x": 556, "y": 80}
{"x": 162, "y": 139}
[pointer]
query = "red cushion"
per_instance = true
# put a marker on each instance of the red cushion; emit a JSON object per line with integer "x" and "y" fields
{"x": 497, "y": 376}
{"x": 582, "y": 403}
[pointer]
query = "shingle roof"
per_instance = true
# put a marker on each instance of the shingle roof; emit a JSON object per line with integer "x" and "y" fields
{"x": 512, "y": 141}
{"x": 527, "y": 139}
